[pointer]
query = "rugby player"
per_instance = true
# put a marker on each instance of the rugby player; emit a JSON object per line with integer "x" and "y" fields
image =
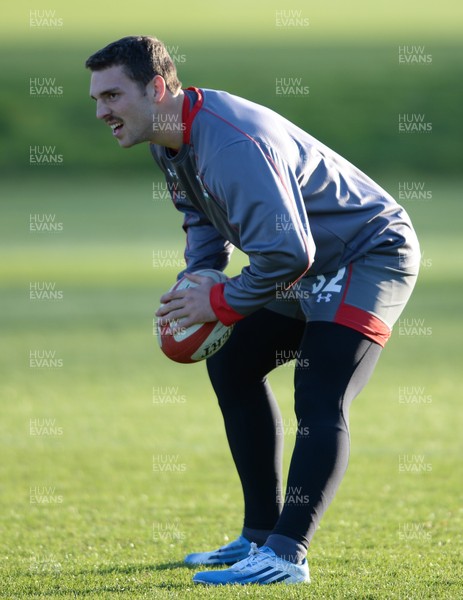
{"x": 333, "y": 260}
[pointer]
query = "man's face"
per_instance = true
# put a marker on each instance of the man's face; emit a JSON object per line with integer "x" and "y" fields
{"x": 123, "y": 105}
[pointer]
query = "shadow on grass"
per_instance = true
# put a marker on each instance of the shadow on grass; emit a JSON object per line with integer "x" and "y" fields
{"x": 130, "y": 569}
{"x": 61, "y": 588}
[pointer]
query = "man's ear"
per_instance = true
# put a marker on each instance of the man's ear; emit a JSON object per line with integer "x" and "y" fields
{"x": 158, "y": 87}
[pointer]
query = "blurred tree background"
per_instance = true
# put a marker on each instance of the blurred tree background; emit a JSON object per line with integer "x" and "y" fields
{"x": 344, "y": 57}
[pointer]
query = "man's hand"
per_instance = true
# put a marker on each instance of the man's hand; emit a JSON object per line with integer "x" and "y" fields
{"x": 189, "y": 306}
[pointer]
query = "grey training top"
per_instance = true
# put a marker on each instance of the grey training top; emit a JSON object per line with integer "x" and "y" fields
{"x": 247, "y": 177}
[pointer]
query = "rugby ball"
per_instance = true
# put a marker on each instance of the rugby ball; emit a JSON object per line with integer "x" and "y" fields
{"x": 198, "y": 342}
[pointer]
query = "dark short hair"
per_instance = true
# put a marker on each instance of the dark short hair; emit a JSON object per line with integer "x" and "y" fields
{"x": 142, "y": 57}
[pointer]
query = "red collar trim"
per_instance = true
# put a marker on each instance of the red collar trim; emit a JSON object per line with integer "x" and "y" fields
{"x": 188, "y": 113}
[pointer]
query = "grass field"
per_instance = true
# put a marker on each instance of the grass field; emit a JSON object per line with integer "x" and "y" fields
{"x": 86, "y": 511}
{"x": 91, "y": 409}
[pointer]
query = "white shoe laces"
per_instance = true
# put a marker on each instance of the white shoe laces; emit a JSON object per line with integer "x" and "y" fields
{"x": 254, "y": 555}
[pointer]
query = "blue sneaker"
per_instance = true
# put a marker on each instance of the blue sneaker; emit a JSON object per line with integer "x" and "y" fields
{"x": 226, "y": 555}
{"x": 262, "y": 566}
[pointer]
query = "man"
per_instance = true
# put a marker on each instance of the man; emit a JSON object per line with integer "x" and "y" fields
{"x": 333, "y": 260}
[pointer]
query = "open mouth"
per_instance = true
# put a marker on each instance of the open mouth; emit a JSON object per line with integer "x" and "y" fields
{"x": 116, "y": 127}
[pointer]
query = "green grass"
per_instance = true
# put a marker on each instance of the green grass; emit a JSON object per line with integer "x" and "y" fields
{"x": 97, "y": 540}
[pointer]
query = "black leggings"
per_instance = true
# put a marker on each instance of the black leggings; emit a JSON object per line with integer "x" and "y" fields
{"x": 332, "y": 365}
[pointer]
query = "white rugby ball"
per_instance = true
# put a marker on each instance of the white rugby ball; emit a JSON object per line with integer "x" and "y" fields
{"x": 198, "y": 342}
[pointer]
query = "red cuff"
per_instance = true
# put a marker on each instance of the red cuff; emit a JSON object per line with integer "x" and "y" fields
{"x": 224, "y": 313}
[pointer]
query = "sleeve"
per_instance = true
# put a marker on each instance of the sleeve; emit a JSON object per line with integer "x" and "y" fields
{"x": 205, "y": 248}
{"x": 266, "y": 208}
